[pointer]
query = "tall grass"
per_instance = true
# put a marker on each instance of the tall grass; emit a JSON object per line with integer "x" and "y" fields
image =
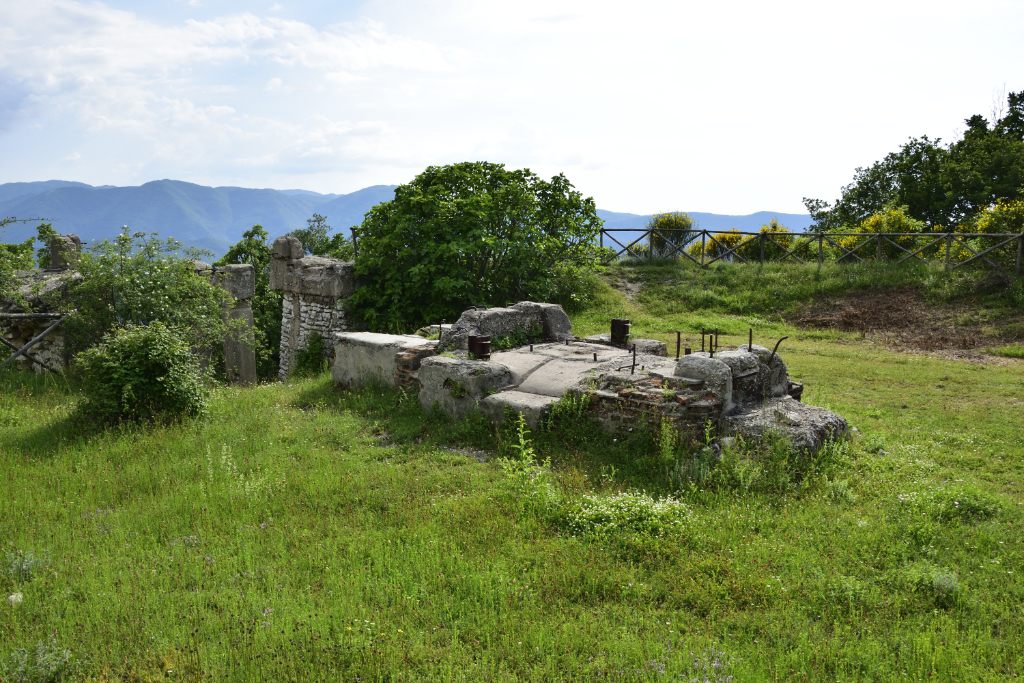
{"x": 301, "y": 532}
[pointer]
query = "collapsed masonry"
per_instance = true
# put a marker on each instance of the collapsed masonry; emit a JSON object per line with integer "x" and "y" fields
{"x": 627, "y": 385}
{"x": 524, "y": 358}
{"x": 30, "y": 323}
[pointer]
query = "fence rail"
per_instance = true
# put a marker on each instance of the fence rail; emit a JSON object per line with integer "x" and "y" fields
{"x": 953, "y": 247}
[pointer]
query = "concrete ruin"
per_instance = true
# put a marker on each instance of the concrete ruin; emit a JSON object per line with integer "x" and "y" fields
{"x": 315, "y": 288}
{"x": 629, "y": 385}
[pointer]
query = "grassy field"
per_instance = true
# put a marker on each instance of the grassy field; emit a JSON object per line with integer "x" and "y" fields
{"x": 304, "y": 533}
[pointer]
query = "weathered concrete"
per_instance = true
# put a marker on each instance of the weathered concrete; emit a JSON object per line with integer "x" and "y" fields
{"x": 239, "y": 281}
{"x": 806, "y": 427}
{"x": 532, "y": 407}
{"x": 65, "y": 251}
{"x": 716, "y": 375}
{"x": 365, "y": 357}
{"x": 458, "y": 386}
{"x": 539, "y": 321}
{"x": 315, "y": 289}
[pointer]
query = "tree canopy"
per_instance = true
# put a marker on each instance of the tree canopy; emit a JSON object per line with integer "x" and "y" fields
{"x": 473, "y": 233}
{"x": 942, "y": 185}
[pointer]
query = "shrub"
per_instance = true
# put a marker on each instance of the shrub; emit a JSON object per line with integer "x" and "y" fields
{"x": 142, "y": 372}
{"x": 46, "y": 663}
{"x": 527, "y": 484}
{"x": 139, "y": 279}
{"x": 631, "y": 513}
{"x": 311, "y": 360}
{"x": 668, "y": 232}
{"x": 472, "y": 234}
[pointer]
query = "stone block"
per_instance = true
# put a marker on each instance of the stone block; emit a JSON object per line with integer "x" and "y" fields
{"x": 548, "y": 319}
{"x": 287, "y": 247}
{"x": 716, "y": 375}
{"x": 65, "y": 251}
{"x": 806, "y": 427}
{"x": 531, "y": 406}
{"x": 238, "y": 280}
{"x": 365, "y": 357}
{"x": 239, "y": 352}
{"x": 459, "y": 386}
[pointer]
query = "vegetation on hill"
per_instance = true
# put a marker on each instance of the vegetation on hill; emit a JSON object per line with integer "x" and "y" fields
{"x": 303, "y": 532}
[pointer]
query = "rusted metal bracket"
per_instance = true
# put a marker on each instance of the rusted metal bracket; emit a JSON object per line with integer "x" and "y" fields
{"x": 772, "y": 357}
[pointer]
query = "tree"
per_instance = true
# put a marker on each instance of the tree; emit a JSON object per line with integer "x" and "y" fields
{"x": 317, "y": 240}
{"x": 670, "y": 230}
{"x": 944, "y": 186}
{"x": 473, "y": 233}
{"x": 266, "y": 303}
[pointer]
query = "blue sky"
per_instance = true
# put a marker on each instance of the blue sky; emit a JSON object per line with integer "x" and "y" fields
{"x": 647, "y": 106}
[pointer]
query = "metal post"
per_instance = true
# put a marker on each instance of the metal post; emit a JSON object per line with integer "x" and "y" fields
{"x": 949, "y": 244}
{"x": 750, "y": 343}
{"x": 633, "y": 369}
{"x": 702, "y": 340}
{"x": 679, "y": 339}
{"x": 1020, "y": 253}
{"x": 355, "y": 243}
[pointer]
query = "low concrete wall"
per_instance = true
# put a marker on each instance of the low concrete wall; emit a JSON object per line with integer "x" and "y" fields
{"x": 366, "y": 357}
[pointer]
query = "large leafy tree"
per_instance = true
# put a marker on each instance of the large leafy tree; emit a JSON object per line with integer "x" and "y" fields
{"x": 942, "y": 185}
{"x": 473, "y": 233}
{"x": 254, "y": 249}
{"x": 316, "y": 239}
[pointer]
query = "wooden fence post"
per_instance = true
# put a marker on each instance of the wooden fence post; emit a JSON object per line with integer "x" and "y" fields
{"x": 762, "y": 248}
{"x": 820, "y": 238}
{"x": 949, "y": 244}
{"x": 878, "y": 240}
{"x": 703, "y": 248}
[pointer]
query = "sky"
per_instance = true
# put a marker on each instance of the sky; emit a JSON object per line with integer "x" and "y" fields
{"x": 725, "y": 107}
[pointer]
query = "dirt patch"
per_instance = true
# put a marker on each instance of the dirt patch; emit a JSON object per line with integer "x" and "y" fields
{"x": 901, "y": 319}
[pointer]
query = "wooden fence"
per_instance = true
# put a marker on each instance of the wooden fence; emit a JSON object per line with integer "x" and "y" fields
{"x": 952, "y": 247}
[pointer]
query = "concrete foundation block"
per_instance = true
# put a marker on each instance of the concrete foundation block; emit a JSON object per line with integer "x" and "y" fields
{"x": 459, "y": 386}
{"x": 365, "y": 357}
{"x": 716, "y": 375}
{"x": 531, "y": 406}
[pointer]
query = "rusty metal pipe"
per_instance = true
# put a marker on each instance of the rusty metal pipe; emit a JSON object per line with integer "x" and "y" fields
{"x": 772, "y": 357}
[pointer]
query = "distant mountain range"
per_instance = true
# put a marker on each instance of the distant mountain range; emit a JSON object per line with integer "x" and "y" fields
{"x": 215, "y": 217}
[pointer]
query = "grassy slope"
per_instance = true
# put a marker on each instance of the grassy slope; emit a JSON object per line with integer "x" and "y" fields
{"x": 163, "y": 554}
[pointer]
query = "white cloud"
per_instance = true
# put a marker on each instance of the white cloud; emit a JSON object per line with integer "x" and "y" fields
{"x": 698, "y": 106}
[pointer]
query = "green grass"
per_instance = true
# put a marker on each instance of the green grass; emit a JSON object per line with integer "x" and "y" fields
{"x": 305, "y": 533}
{"x": 1009, "y": 351}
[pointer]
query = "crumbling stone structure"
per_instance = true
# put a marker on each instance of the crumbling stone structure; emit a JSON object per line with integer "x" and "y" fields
{"x": 630, "y": 385}
{"x": 315, "y": 288}
{"x": 32, "y": 312}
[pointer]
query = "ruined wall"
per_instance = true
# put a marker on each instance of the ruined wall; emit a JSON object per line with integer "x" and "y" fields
{"x": 315, "y": 289}
{"x": 49, "y": 352}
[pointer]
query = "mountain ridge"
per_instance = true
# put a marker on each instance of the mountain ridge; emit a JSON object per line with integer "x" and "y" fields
{"x": 214, "y": 218}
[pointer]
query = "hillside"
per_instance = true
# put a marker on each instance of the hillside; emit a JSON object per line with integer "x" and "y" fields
{"x": 209, "y": 217}
{"x": 215, "y": 217}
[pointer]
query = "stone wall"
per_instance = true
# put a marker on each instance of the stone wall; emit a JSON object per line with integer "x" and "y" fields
{"x": 49, "y": 352}
{"x": 315, "y": 289}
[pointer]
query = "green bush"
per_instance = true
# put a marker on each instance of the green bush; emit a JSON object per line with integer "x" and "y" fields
{"x": 139, "y": 279}
{"x": 311, "y": 359}
{"x": 142, "y": 373}
{"x": 472, "y": 234}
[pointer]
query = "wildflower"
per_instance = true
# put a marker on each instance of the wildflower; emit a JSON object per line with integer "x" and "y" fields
{"x": 15, "y": 599}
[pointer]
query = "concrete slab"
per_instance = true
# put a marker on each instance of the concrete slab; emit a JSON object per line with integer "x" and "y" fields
{"x": 530, "y": 406}
{"x": 362, "y": 357}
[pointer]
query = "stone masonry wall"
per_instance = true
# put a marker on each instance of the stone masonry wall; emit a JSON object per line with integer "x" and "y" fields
{"x": 315, "y": 315}
{"x": 49, "y": 351}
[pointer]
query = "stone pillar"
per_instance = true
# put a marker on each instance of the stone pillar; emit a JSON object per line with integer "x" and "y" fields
{"x": 64, "y": 251}
{"x": 239, "y": 280}
{"x": 315, "y": 287}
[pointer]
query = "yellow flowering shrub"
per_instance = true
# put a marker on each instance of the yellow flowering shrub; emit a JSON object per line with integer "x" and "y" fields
{"x": 889, "y": 220}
